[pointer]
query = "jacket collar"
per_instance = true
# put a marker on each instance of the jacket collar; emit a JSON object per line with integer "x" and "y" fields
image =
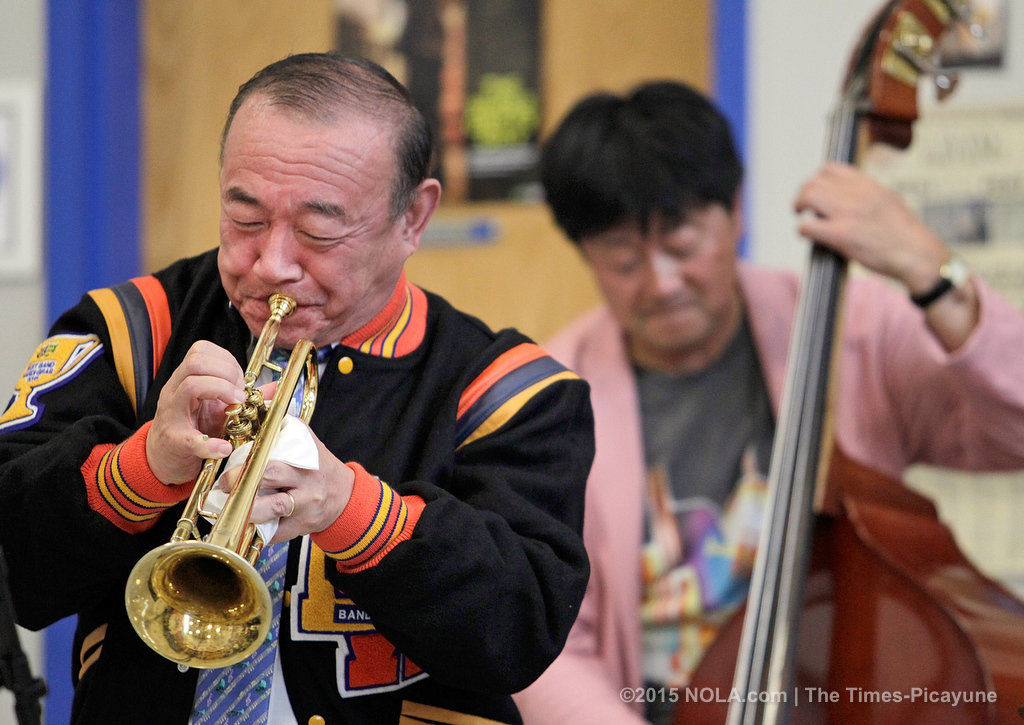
{"x": 398, "y": 329}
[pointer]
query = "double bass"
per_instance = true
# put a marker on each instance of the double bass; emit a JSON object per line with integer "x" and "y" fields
{"x": 861, "y": 609}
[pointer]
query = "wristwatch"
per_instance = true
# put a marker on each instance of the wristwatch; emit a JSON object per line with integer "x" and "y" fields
{"x": 952, "y": 275}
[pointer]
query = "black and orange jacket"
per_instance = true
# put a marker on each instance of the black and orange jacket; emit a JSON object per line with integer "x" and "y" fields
{"x": 450, "y": 581}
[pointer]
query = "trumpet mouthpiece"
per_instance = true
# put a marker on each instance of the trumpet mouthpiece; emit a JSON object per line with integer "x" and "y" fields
{"x": 281, "y": 306}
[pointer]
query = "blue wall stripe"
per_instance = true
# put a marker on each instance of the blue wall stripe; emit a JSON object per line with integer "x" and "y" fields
{"x": 92, "y": 140}
{"x": 729, "y": 36}
{"x": 92, "y": 194}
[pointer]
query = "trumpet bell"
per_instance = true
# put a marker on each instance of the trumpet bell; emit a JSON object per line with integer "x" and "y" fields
{"x": 198, "y": 604}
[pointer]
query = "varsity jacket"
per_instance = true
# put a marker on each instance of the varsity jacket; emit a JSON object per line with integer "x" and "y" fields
{"x": 450, "y": 581}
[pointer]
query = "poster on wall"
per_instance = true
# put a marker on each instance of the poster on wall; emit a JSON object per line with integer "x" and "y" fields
{"x": 472, "y": 68}
{"x": 20, "y": 161}
{"x": 964, "y": 175}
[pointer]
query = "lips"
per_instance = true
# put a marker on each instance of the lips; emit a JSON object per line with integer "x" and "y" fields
{"x": 256, "y": 311}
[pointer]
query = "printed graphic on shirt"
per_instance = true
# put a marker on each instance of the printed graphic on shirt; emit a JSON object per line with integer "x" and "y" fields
{"x": 366, "y": 663}
{"x": 696, "y": 568}
{"x": 56, "y": 362}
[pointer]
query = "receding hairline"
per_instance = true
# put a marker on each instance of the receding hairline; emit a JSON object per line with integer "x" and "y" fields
{"x": 326, "y": 115}
{"x": 322, "y": 86}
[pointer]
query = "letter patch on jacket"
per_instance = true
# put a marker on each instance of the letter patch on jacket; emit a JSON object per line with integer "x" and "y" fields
{"x": 56, "y": 362}
{"x": 366, "y": 663}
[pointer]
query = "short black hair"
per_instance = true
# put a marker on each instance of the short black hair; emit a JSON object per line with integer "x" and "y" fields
{"x": 653, "y": 155}
{"x": 317, "y": 85}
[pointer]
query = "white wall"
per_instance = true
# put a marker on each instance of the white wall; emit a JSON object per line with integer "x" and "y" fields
{"x": 22, "y": 49}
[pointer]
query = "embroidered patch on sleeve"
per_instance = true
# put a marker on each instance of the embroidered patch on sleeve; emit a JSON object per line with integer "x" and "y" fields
{"x": 56, "y": 362}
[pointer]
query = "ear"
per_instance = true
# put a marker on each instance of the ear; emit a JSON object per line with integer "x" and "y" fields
{"x": 415, "y": 218}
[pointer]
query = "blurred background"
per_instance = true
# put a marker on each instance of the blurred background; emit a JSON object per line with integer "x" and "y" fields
{"x": 111, "y": 111}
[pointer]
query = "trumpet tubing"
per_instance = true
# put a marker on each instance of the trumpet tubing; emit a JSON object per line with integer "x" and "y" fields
{"x": 199, "y": 601}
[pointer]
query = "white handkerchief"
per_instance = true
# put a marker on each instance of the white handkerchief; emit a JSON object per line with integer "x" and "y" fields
{"x": 294, "y": 446}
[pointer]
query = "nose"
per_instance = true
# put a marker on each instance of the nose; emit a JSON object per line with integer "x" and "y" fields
{"x": 277, "y": 261}
{"x": 663, "y": 273}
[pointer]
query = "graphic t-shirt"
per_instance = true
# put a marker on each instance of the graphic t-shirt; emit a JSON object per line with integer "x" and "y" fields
{"x": 707, "y": 441}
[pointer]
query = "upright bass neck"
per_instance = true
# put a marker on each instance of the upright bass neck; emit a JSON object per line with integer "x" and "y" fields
{"x": 877, "y": 103}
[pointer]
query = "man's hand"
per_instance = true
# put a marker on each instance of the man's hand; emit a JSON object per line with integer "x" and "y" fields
{"x": 865, "y": 222}
{"x": 190, "y": 413}
{"x": 306, "y": 501}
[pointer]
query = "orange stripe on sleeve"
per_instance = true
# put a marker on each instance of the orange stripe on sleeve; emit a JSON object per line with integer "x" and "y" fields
{"x": 502, "y": 366}
{"x": 375, "y": 519}
{"x": 159, "y": 314}
{"x": 121, "y": 487}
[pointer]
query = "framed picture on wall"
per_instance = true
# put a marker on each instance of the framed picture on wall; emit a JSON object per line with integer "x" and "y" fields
{"x": 20, "y": 164}
{"x": 472, "y": 67}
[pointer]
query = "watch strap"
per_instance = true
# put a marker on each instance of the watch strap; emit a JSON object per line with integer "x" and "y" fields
{"x": 952, "y": 274}
{"x": 941, "y": 287}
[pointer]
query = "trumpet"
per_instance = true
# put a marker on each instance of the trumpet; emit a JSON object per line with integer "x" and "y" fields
{"x": 199, "y": 601}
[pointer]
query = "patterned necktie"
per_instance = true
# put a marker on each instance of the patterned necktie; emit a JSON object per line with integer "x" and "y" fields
{"x": 240, "y": 694}
{"x": 281, "y": 358}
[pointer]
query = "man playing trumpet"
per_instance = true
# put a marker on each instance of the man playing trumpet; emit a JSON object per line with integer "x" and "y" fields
{"x": 434, "y": 563}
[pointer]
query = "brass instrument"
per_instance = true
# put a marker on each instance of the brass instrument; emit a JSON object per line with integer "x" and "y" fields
{"x": 200, "y": 602}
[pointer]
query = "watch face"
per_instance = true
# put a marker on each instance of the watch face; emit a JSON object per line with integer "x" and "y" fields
{"x": 956, "y": 271}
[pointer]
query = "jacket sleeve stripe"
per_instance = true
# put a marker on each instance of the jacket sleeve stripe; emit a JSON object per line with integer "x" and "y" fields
{"x": 120, "y": 340}
{"x": 374, "y": 521}
{"x": 503, "y": 389}
{"x": 121, "y": 488}
{"x": 139, "y": 322}
{"x": 114, "y": 491}
{"x": 508, "y": 409}
{"x": 159, "y": 310}
{"x": 385, "y": 513}
{"x": 502, "y": 366}
{"x": 133, "y": 307}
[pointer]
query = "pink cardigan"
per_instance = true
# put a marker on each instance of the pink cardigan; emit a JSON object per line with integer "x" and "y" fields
{"x": 901, "y": 399}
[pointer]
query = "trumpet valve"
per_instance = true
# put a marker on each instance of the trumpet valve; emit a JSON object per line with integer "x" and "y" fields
{"x": 258, "y": 406}
{"x": 242, "y": 420}
{"x": 254, "y": 400}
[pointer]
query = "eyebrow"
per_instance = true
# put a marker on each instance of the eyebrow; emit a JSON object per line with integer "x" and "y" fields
{"x": 324, "y": 208}
{"x": 612, "y": 241}
{"x": 236, "y": 194}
